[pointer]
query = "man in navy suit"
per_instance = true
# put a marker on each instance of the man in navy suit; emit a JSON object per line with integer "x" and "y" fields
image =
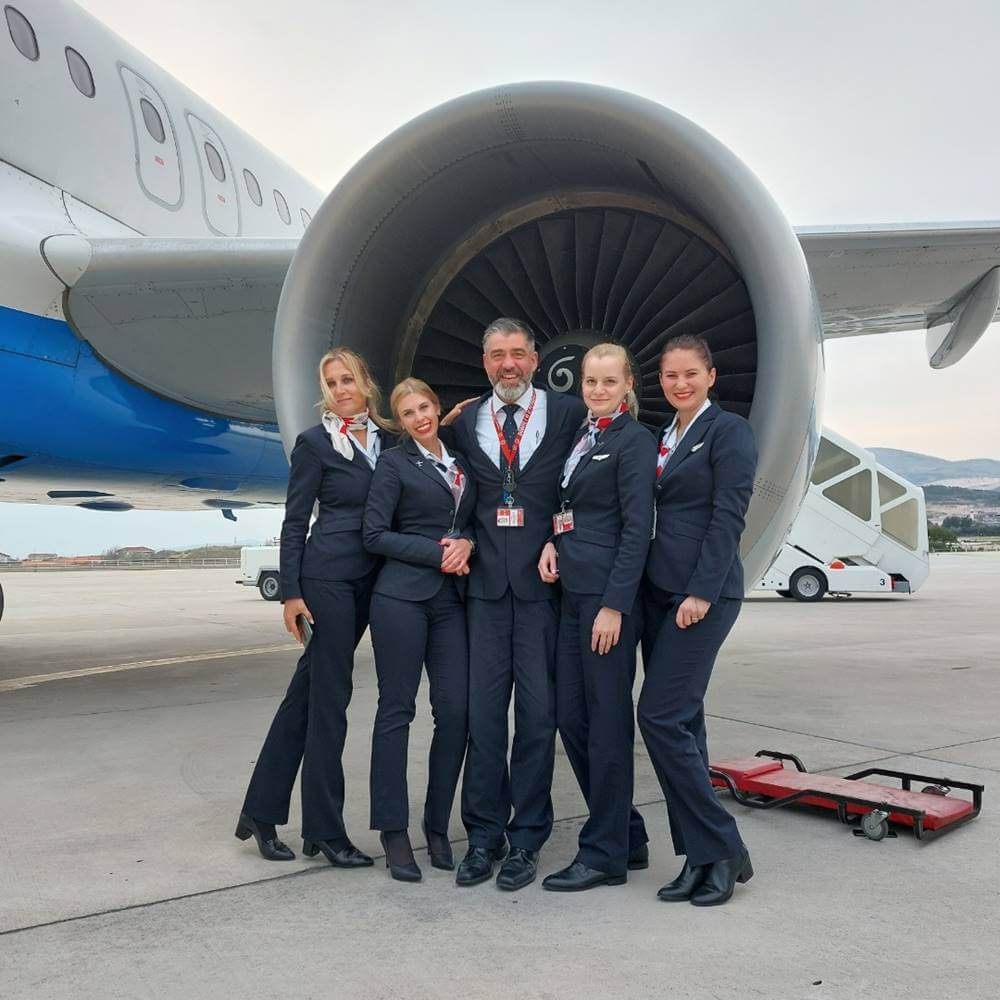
{"x": 515, "y": 440}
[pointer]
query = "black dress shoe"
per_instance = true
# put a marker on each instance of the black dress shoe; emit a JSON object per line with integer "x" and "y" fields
{"x": 346, "y": 857}
{"x": 682, "y": 887}
{"x": 578, "y": 877}
{"x": 399, "y": 857}
{"x": 439, "y": 849}
{"x": 518, "y": 870}
{"x": 478, "y": 864}
{"x": 638, "y": 858}
{"x": 268, "y": 844}
{"x": 720, "y": 880}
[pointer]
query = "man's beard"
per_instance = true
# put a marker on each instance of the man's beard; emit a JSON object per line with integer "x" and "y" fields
{"x": 511, "y": 393}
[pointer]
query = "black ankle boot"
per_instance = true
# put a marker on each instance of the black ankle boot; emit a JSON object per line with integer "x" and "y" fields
{"x": 720, "y": 880}
{"x": 682, "y": 887}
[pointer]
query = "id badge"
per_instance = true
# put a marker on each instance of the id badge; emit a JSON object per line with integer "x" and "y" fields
{"x": 562, "y": 522}
{"x": 510, "y": 517}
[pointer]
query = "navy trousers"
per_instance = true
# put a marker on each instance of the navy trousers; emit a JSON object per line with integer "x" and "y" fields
{"x": 678, "y": 666}
{"x": 512, "y": 645}
{"x": 407, "y": 635}
{"x": 310, "y": 725}
{"x": 596, "y": 720}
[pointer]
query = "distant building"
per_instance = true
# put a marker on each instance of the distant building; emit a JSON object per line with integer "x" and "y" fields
{"x": 40, "y": 557}
{"x": 134, "y": 552}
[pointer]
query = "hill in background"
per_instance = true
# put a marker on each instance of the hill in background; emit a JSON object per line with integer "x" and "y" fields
{"x": 925, "y": 470}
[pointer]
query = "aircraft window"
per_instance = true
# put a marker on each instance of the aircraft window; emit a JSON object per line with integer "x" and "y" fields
{"x": 831, "y": 461}
{"x": 80, "y": 73}
{"x": 253, "y": 188}
{"x": 306, "y": 217}
{"x": 902, "y": 523}
{"x": 854, "y": 494}
{"x": 282, "y": 205}
{"x": 154, "y": 123}
{"x": 22, "y": 34}
{"x": 215, "y": 162}
{"x": 889, "y": 490}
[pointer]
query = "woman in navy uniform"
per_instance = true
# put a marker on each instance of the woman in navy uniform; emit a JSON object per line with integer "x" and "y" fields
{"x": 602, "y": 534}
{"x": 417, "y": 517}
{"x": 692, "y": 596}
{"x": 326, "y": 579}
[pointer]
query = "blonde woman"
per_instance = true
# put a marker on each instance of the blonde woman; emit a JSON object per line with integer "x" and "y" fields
{"x": 417, "y": 517}
{"x": 601, "y": 537}
{"x": 326, "y": 579}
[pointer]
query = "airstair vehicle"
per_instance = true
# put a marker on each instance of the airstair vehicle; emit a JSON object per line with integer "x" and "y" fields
{"x": 861, "y": 530}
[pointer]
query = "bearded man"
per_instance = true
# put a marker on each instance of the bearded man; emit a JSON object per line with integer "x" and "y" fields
{"x": 515, "y": 440}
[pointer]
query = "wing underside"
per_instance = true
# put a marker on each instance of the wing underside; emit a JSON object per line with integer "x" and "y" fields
{"x": 193, "y": 320}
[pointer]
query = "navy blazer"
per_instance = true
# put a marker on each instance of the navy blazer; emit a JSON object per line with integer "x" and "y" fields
{"x": 508, "y": 557}
{"x": 334, "y": 550}
{"x": 410, "y": 509}
{"x": 611, "y": 496}
{"x": 701, "y": 501}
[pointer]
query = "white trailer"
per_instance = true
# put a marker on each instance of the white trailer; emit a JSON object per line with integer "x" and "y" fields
{"x": 259, "y": 568}
{"x": 861, "y": 529}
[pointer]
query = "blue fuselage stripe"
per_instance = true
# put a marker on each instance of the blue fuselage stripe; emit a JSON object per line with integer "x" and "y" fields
{"x": 65, "y": 410}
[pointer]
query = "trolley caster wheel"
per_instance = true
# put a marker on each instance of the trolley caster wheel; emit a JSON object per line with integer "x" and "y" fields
{"x": 935, "y": 790}
{"x": 874, "y": 826}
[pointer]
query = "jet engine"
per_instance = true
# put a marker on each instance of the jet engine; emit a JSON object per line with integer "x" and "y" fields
{"x": 593, "y": 215}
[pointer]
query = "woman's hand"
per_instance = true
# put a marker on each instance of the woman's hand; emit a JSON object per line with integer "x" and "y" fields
{"x": 606, "y": 631}
{"x": 455, "y": 554}
{"x": 692, "y": 610}
{"x": 548, "y": 564}
{"x": 294, "y": 607}
{"x": 452, "y": 415}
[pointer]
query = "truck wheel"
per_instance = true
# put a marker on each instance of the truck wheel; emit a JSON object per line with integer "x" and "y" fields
{"x": 269, "y": 587}
{"x": 807, "y": 584}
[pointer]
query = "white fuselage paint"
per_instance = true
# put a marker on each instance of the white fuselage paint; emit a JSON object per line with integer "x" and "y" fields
{"x": 89, "y": 165}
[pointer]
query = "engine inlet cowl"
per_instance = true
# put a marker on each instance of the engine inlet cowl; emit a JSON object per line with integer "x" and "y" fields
{"x": 593, "y": 215}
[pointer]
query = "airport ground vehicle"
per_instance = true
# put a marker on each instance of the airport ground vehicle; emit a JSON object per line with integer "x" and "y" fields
{"x": 259, "y": 568}
{"x": 861, "y": 529}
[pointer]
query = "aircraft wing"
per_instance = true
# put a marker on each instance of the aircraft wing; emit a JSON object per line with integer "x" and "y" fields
{"x": 944, "y": 278}
{"x": 192, "y": 320}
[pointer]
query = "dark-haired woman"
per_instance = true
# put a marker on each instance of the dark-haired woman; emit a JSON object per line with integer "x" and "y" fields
{"x": 327, "y": 579}
{"x": 692, "y": 596}
{"x": 417, "y": 517}
{"x": 601, "y": 539}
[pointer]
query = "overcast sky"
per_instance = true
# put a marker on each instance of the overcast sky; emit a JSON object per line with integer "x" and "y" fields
{"x": 848, "y": 111}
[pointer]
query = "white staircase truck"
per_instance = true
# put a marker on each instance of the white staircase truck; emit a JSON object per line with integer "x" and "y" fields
{"x": 861, "y": 530}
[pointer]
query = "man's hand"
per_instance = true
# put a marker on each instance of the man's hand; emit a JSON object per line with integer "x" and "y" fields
{"x": 606, "y": 631}
{"x": 293, "y": 608}
{"x": 548, "y": 564}
{"x": 455, "y": 554}
{"x": 691, "y": 611}
{"x": 452, "y": 415}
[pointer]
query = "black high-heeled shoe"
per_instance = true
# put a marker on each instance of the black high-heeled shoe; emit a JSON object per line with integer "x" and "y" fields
{"x": 720, "y": 880}
{"x": 439, "y": 849}
{"x": 270, "y": 847}
{"x": 346, "y": 857}
{"x": 404, "y": 868}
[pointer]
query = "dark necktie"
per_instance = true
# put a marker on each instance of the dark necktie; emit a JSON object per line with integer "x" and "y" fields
{"x": 509, "y": 433}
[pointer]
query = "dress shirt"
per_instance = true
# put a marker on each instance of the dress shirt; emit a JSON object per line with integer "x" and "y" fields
{"x": 486, "y": 433}
{"x": 670, "y": 438}
{"x": 444, "y": 464}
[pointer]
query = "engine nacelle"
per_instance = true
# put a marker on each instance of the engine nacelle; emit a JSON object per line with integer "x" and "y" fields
{"x": 592, "y": 214}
